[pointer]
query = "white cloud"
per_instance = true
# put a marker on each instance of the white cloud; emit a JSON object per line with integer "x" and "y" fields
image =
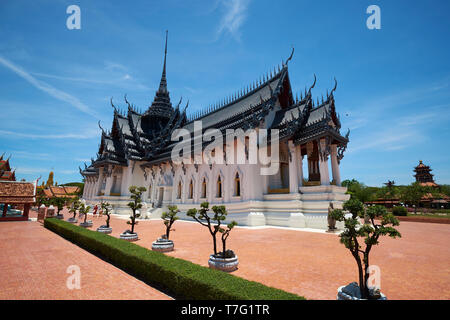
{"x": 86, "y": 135}
{"x": 235, "y": 15}
{"x": 45, "y": 87}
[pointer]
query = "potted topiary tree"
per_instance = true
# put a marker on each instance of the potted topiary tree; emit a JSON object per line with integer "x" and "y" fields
{"x": 370, "y": 233}
{"x": 73, "y": 209}
{"x": 164, "y": 244}
{"x": 135, "y": 205}
{"x": 59, "y": 202}
{"x": 83, "y": 210}
{"x": 106, "y": 207}
{"x": 226, "y": 260}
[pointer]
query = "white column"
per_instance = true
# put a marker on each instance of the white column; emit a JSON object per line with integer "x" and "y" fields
{"x": 108, "y": 185}
{"x": 95, "y": 188}
{"x": 87, "y": 187}
{"x": 126, "y": 180}
{"x": 293, "y": 173}
{"x": 299, "y": 162}
{"x": 323, "y": 163}
{"x": 309, "y": 151}
{"x": 92, "y": 188}
{"x": 335, "y": 165}
{"x": 99, "y": 181}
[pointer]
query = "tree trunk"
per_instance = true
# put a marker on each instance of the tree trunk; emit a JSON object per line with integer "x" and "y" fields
{"x": 361, "y": 277}
{"x": 223, "y": 245}
{"x": 107, "y": 221}
{"x": 214, "y": 242}
{"x": 169, "y": 225}
{"x": 366, "y": 274}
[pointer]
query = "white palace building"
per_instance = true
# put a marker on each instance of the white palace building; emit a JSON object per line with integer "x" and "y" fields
{"x": 139, "y": 150}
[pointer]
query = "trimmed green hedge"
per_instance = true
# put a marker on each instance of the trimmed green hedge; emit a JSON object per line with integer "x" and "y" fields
{"x": 180, "y": 278}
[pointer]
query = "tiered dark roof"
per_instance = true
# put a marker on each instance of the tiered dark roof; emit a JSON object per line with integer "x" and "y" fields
{"x": 147, "y": 136}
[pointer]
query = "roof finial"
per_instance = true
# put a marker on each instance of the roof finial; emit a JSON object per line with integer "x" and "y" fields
{"x": 112, "y": 105}
{"x": 290, "y": 57}
{"x": 103, "y": 131}
{"x": 163, "y": 83}
{"x": 313, "y": 85}
{"x": 335, "y": 86}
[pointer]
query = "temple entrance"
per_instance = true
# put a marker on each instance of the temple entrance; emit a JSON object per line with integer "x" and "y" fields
{"x": 313, "y": 162}
{"x": 160, "y": 197}
{"x": 279, "y": 182}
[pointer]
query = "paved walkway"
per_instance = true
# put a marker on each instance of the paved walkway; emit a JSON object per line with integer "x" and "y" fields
{"x": 34, "y": 262}
{"x": 311, "y": 264}
{"x": 314, "y": 265}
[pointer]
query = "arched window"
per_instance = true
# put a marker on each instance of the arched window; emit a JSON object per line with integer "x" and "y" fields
{"x": 204, "y": 188}
{"x": 219, "y": 187}
{"x": 191, "y": 190}
{"x": 237, "y": 185}
{"x": 179, "y": 190}
{"x": 150, "y": 191}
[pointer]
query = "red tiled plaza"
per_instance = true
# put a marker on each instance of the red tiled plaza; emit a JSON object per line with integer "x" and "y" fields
{"x": 34, "y": 262}
{"x": 314, "y": 265}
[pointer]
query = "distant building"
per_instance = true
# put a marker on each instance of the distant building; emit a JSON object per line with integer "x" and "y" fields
{"x": 16, "y": 197}
{"x": 61, "y": 192}
{"x": 425, "y": 178}
{"x": 423, "y": 175}
{"x": 6, "y": 174}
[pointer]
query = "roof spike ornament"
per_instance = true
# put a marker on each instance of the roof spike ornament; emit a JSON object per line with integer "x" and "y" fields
{"x": 112, "y": 105}
{"x": 335, "y": 86}
{"x": 314, "y": 84}
{"x": 99, "y": 125}
{"x": 290, "y": 57}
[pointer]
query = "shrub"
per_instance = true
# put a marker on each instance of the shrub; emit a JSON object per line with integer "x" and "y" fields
{"x": 399, "y": 211}
{"x": 106, "y": 208}
{"x": 180, "y": 278}
{"x": 135, "y": 204}
{"x": 220, "y": 214}
{"x": 169, "y": 219}
{"x": 368, "y": 233}
{"x": 74, "y": 207}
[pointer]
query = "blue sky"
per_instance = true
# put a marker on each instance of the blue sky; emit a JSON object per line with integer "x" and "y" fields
{"x": 393, "y": 83}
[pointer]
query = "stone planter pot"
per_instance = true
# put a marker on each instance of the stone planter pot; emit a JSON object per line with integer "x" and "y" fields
{"x": 162, "y": 245}
{"x": 227, "y": 264}
{"x": 59, "y": 216}
{"x": 86, "y": 224}
{"x": 351, "y": 292}
{"x": 129, "y": 236}
{"x": 72, "y": 220}
{"x": 104, "y": 229}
